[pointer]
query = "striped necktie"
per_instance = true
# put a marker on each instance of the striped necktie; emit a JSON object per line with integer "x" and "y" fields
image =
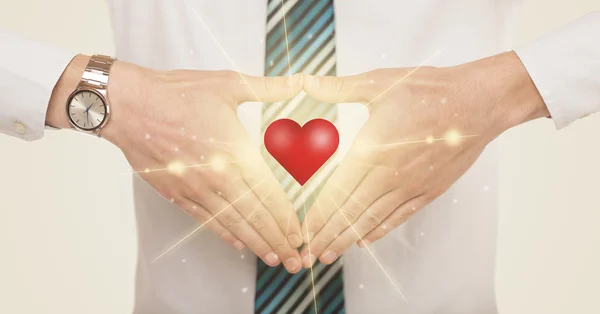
{"x": 310, "y": 39}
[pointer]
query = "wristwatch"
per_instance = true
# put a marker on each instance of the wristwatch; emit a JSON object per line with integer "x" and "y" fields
{"x": 87, "y": 107}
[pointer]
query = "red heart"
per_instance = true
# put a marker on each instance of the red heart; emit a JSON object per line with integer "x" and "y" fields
{"x": 301, "y": 150}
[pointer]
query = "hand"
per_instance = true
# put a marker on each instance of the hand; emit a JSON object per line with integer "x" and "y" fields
{"x": 426, "y": 127}
{"x": 182, "y": 127}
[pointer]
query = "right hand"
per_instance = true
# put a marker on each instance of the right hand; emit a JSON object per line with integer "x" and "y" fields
{"x": 183, "y": 127}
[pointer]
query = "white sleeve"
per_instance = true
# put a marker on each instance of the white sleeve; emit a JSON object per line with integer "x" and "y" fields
{"x": 565, "y": 67}
{"x": 28, "y": 72}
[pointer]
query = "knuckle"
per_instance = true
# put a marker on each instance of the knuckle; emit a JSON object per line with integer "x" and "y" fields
{"x": 338, "y": 84}
{"x": 270, "y": 83}
{"x": 321, "y": 243}
{"x": 402, "y": 217}
{"x": 280, "y": 246}
{"x": 370, "y": 221}
{"x": 231, "y": 222}
{"x": 258, "y": 219}
{"x": 350, "y": 215}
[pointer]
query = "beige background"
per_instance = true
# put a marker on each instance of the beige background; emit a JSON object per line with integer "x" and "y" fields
{"x": 67, "y": 231}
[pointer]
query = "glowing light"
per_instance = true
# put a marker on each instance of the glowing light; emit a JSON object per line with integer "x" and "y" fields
{"x": 183, "y": 260}
{"x": 218, "y": 163}
{"x": 430, "y": 139}
{"x": 454, "y": 201}
{"x": 244, "y": 290}
{"x": 452, "y": 137}
{"x": 147, "y": 136}
{"x": 242, "y": 256}
{"x": 212, "y": 140}
{"x": 147, "y": 170}
{"x": 176, "y": 168}
{"x": 361, "y": 286}
{"x": 312, "y": 276}
{"x": 365, "y": 244}
{"x": 182, "y": 95}
{"x": 443, "y": 100}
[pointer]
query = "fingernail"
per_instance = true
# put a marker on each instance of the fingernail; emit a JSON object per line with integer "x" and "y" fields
{"x": 308, "y": 236}
{"x": 295, "y": 240}
{"x": 308, "y": 260}
{"x": 328, "y": 257}
{"x": 292, "y": 264}
{"x": 271, "y": 259}
{"x": 239, "y": 245}
{"x": 363, "y": 243}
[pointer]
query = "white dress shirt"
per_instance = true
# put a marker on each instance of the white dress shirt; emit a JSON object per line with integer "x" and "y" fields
{"x": 442, "y": 260}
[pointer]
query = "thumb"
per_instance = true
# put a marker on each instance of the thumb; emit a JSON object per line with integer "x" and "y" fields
{"x": 268, "y": 89}
{"x": 337, "y": 89}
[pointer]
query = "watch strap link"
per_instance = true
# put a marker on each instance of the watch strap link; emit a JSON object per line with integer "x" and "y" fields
{"x": 97, "y": 71}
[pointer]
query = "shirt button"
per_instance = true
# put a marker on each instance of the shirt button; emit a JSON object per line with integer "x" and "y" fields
{"x": 20, "y": 127}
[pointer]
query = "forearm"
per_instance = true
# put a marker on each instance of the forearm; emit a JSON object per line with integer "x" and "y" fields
{"x": 29, "y": 71}
{"x": 56, "y": 113}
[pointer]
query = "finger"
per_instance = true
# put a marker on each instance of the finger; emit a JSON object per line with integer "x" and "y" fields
{"x": 370, "y": 189}
{"x": 399, "y": 216}
{"x": 265, "y": 89}
{"x": 339, "y": 89}
{"x": 207, "y": 220}
{"x": 226, "y": 213}
{"x": 254, "y": 170}
{"x": 371, "y": 219}
{"x": 342, "y": 182}
{"x": 260, "y": 218}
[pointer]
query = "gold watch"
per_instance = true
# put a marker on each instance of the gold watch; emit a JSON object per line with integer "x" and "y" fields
{"x": 88, "y": 109}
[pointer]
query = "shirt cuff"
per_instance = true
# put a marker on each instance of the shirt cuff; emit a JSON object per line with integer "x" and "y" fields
{"x": 28, "y": 72}
{"x": 565, "y": 67}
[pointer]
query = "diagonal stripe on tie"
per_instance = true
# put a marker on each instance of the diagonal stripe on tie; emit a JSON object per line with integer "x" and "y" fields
{"x": 310, "y": 40}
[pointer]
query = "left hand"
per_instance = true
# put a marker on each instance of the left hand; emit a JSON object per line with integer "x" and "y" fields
{"x": 426, "y": 127}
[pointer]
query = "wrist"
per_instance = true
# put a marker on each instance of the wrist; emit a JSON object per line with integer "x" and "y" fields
{"x": 508, "y": 93}
{"x": 56, "y": 115}
{"x": 126, "y": 93}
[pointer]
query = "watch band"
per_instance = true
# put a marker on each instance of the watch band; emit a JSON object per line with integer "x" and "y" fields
{"x": 96, "y": 72}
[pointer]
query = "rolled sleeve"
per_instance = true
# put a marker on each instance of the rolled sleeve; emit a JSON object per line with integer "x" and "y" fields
{"x": 28, "y": 72}
{"x": 565, "y": 67}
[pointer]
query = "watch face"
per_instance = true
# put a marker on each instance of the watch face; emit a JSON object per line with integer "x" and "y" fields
{"x": 86, "y": 110}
